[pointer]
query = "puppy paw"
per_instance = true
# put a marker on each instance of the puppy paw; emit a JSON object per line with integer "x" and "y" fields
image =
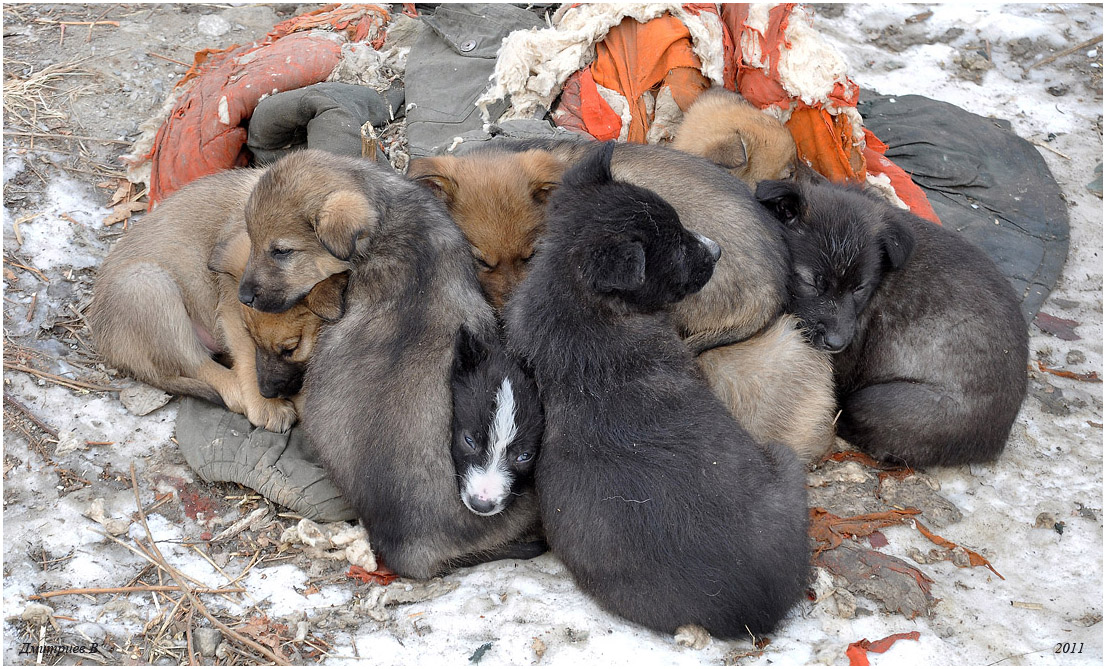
{"x": 275, "y": 415}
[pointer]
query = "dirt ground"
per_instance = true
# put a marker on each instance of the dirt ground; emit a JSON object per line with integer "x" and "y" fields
{"x": 79, "y": 80}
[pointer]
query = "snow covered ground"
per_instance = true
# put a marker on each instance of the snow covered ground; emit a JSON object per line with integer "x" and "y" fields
{"x": 530, "y": 612}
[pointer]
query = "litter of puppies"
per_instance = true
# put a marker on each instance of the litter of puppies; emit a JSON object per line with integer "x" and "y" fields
{"x": 390, "y": 259}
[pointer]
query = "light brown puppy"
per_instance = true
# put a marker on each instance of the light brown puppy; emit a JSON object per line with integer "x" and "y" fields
{"x": 776, "y": 385}
{"x": 497, "y": 199}
{"x": 728, "y": 131}
{"x": 285, "y": 341}
{"x": 166, "y": 302}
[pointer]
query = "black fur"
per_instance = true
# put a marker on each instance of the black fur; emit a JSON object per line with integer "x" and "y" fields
{"x": 930, "y": 348}
{"x": 658, "y": 502}
{"x": 479, "y": 370}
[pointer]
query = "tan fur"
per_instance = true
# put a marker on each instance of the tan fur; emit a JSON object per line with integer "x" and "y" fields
{"x": 497, "y": 199}
{"x": 166, "y": 299}
{"x": 489, "y": 194}
{"x": 315, "y": 212}
{"x": 775, "y": 386}
{"x": 728, "y": 131}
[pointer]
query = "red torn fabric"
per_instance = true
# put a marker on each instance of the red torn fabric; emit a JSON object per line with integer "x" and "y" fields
{"x": 205, "y": 131}
{"x": 857, "y": 652}
{"x": 635, "y": 58}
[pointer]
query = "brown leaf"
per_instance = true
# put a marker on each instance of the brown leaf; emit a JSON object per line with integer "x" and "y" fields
{"x": 857, "y": 652}
{"x": 1059, "y": 327}
{"x": 125, "y": 192}
{"x": 123, "y": 212}
{"x": 829, "y": 530}
{"x": 1089, "y": 376}
{"x": 895, "y": 585}
{"x": 974, "y": 559}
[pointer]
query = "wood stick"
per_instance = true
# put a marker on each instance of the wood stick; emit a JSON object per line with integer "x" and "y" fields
{"x": 49, "y": 135}
{"x": 78, "y": 23}
{"x": 171, "y": 60}
{"x": 29, "y": 269}
{"x": 265, "y": 652}
{"x": 18, "y": 406}
{"x": 61, "y": 381}
{"x": 1065, "y": 52}
{"x": 132, "y": 588}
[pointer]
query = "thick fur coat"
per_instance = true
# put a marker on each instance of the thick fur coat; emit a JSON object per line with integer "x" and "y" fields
{"x": 658, "y": 502}
{"x": 497, "y": 195}
{"x": 929, "y": 346}
{"x": 377, "y": 394}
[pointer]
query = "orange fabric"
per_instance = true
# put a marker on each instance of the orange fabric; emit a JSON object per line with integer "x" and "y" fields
{"x": 204, "y": 133}
{"x": 825, "y": 142}
{"x": 857, "y": 652}
{"x": 582, "y": 108}
{"x": 637, "y": 57}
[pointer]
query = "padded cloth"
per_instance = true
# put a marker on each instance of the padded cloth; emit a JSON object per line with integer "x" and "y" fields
{"x": 325, "y": 116}
{"x": 223, "y": 446}
{"x": 982, "y": 180}
{"x": 448, "y": 68}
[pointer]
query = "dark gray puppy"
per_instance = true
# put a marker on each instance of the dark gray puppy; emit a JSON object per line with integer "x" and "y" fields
{"x": 658, "y": 502}
{"x": 377, "y": 393}
{"x": 930, "y": 347}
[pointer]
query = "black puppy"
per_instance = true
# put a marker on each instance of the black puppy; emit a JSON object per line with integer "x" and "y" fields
{"x": 497, "y": 425}
{"x": 658, "y": 502}
{"x": 930, "y": 345}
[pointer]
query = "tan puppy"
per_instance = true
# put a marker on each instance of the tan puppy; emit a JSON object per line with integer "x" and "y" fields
{"x": 285, "y": 341}
{"x": 165, "y": 303}
{"x": 728, "y": 131}
{"x": 776, "y": 385}
{"x": 497, "y": 199}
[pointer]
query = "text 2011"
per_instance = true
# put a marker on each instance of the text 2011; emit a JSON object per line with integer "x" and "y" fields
{"x": 1068, "y": 648}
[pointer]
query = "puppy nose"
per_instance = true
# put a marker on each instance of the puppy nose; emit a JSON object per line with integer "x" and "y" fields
{"x": 712, "y": 246}
{"x": 481, "y": 505}
{"x": 835, "y": 341}
{"x": 246, "y": 295}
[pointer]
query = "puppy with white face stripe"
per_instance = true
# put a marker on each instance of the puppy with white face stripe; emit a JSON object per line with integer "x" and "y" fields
{"x": 497, "y": 425}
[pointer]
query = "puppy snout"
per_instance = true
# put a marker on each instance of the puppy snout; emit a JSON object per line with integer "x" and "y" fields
{"x": 247, "y": 293}
{"x": 481, "y": 505}
{"x": 712, "y": 246}
{"x": 835, "y": 341}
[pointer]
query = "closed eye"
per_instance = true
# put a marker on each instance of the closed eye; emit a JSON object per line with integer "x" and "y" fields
{"x": 280, "y": 253}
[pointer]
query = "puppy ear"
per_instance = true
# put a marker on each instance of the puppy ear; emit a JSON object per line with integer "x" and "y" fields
{"x": 327, "y": 299}
{"x": 620, "y": 267}
{"x": 594, "y": 169}
{"x": 545, "y": 172}
{"x": 896, "y": 239}
{"x": 469, "y": 352}
{"x": 430, "y": 174}
{"x": 230, "y": 256}
{"x": 345, "y": 217}
{"x": 783, "y": 199}
{"x": 729, "y": 153}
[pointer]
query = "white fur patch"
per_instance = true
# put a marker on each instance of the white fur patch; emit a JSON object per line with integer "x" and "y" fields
{"x": 492, "y": 482}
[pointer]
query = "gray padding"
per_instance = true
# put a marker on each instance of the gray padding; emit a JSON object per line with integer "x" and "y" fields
{"x": 325, "y": 116}
{"x": 223, "y": 446}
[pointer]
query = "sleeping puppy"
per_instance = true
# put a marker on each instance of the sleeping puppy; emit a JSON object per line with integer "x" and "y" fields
{"x": 756, "y": 361}
{"x": 497, "y": 199}
{"x": 659, "y": 504}
{"x": 728, "y": 131}
{"x": 377, "y": 404}
{"x": 165, "y": 303}
{"x": 928, "y": 343}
